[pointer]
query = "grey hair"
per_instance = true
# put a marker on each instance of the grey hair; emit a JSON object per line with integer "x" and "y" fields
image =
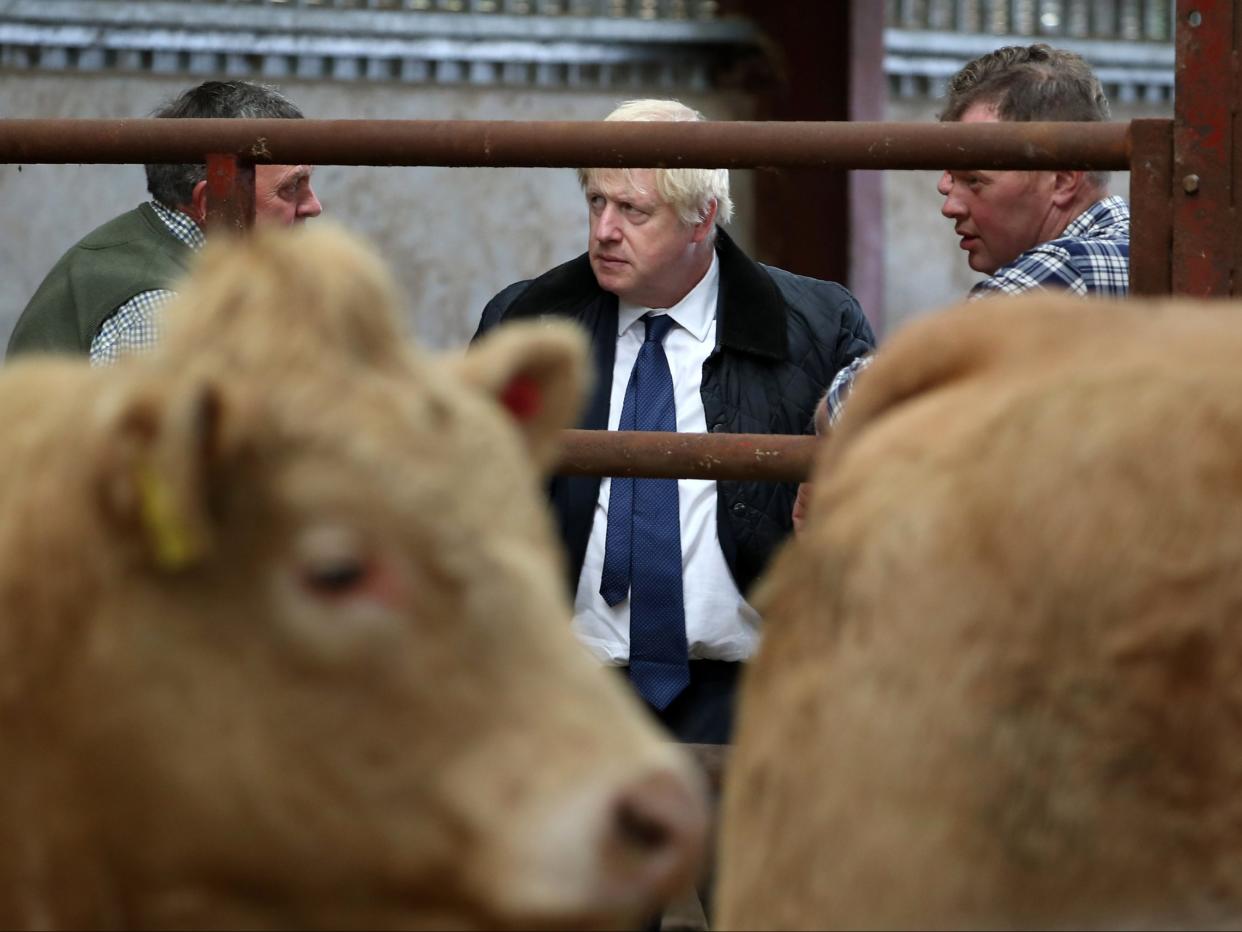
{"x": 173, "y": 185}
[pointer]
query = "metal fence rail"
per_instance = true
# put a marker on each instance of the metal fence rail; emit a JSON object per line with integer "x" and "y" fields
{"x": 562, "y": 144}
{"x": 233, "y": 146}
{"x": 666, "y": 455}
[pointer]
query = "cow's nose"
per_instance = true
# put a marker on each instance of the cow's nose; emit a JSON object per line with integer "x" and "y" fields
{"x": 658, "y": 832}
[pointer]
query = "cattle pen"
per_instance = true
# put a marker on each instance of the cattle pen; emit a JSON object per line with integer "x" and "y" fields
{"x": 233, "y": 147}
{"x": 1185, "y": 238}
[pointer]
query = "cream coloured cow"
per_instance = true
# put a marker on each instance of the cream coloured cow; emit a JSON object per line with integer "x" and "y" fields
{"x": 283, "y": 641}
{"x": 1001, "y": 681}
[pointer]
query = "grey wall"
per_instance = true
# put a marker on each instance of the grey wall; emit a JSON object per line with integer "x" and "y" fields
{"x": 454, "y": 237}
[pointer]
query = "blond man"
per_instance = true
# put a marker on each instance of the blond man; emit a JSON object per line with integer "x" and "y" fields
{"x": 692, "y": 335}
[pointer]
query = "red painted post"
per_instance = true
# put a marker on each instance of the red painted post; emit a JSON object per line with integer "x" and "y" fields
{"x": 230, "y": 193}
{"x": 1204, "y": 239}
{"x": 1151, "y": 207}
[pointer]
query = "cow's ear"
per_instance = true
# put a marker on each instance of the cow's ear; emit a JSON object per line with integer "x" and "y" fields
{"x": 538, "y": 373}
{"x": 158, "y": 469}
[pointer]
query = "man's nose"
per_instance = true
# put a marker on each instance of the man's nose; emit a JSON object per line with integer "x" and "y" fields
{"x": 951, "y": 207}
{"x": 606, "y": 226}
{"x": 309, "y": 206}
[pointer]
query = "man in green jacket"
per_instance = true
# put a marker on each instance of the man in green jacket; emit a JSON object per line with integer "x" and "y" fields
{"x": 104, "y": 296}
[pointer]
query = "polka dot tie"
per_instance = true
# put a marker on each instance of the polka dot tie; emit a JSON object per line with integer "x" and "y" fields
{"x": 642, "y": 549}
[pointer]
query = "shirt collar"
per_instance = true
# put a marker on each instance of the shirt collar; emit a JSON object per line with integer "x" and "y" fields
{"x": 180, "y": 225}
{"x": 1103, "y": 213}
{"x": 695, "y": 312}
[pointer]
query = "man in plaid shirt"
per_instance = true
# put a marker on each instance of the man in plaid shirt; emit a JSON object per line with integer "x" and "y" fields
{"x": 1027, "y": 230}
{"x": 105, "y": 295}
{"x": 1024, "y": 230}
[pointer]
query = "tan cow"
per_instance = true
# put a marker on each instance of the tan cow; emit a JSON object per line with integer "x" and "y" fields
{"x": 283, "y": 641}
{"x": 1001, "y": 681}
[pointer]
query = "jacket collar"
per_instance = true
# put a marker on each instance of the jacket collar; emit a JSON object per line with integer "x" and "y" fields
{"x": 750, "y": 311}
{"x": 566, "y": 290}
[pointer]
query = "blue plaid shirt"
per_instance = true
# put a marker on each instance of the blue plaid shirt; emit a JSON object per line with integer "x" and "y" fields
{"x": 135, "y": 326}
{"x": 1092, "y": 257}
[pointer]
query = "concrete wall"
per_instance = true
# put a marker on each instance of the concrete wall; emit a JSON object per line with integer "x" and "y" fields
{"x": 924, "y": 269}
{"x": 453, "y": 236}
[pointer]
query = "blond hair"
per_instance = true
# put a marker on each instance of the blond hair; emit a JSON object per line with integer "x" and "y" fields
{"x": 689, "y": 191}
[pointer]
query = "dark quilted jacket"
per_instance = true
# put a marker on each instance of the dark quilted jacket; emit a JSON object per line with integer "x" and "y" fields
{"x": 780, "y": 339}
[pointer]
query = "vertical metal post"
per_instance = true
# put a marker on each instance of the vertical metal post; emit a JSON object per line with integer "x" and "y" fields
{"x": 868, "y": 94}
{"x": 1151, "y": 207}
{"x": 1234, "y": 124}
{"x": 831, "y": 67}
{"x": 230, "y": 193}
{"x": 1205, "y": 244}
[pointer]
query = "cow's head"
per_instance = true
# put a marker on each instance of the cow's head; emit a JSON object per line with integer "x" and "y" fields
{"x": 328, "y": 677}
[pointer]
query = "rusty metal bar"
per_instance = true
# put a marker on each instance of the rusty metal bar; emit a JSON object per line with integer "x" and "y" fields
{"x": 1151, "y": 207}
{"x": 1204, "y": 261}
{"x": 841, "y": 145}
{"x": 666, "y": 455}
{"x": 230, "y": 193}
{"x": 1234, "y": 128}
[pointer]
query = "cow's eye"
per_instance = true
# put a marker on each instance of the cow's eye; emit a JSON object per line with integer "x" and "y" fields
{"x": 342, "y": 593}
{"x": 338, "y": 578}
{"x": 332, "y": 562}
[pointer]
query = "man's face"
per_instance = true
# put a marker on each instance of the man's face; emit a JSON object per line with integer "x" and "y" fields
{"x": 998, "y": 214}
{"x": 283, "y": 194}
{"x": 639, "y": 248}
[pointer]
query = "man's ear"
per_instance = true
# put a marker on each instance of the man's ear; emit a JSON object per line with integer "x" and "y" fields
{"x": 197, "y": 208}
{"x": 537, "y": 372}
{"x": 160, "y": 462}
{"x": 705, "y": 226}
{"x": 1066, "y": 186}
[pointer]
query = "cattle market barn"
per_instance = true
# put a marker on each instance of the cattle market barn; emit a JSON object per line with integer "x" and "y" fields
{"x": 817, "y": 132}
{"x": 1181, "y": 181}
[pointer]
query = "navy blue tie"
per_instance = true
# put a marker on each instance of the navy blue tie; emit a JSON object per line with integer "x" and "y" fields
{"x": 642, "y": 551}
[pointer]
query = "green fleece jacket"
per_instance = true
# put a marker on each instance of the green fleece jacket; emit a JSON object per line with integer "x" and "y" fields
{"x": 134, "y": 253}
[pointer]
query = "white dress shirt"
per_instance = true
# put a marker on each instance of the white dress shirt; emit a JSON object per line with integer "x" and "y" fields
{"x": 720, "y": 624}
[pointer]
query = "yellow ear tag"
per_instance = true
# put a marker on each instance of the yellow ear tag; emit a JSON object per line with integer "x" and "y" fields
{"x": 172, "y": 540}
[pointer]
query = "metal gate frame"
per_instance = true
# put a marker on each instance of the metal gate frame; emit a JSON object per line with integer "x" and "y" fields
{"x": 1185, "y": 239}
